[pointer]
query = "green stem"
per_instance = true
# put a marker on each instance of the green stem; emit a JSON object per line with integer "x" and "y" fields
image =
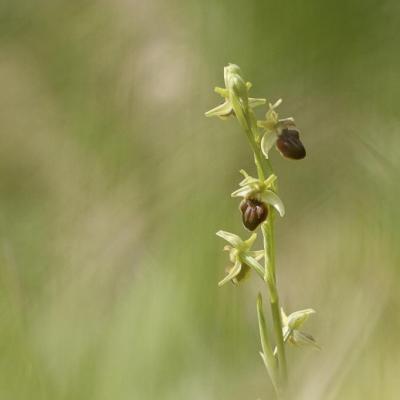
{"x": 248, "y": 123}
{"x": 258, "y": 158}
{"x": 267, "y": 353}
{"x": 270, "y": 279}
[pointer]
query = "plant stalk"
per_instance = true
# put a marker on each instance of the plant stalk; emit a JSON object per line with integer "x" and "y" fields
{"x": 267, "y": 353}
{"x": 270, "y": 279}
{"x": 248, "y": 122}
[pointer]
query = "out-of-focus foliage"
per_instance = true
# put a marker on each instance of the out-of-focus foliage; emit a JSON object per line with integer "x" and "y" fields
{"x": 113, "y": 184}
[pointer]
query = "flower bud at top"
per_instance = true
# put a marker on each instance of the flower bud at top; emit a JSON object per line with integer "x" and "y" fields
{"x": 235, "y": 83}
{"x": 254, "y": 212}
{"x": 289, "y": 144}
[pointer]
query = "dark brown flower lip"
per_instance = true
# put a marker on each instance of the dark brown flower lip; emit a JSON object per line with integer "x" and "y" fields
{"x": 290, "y": 145}
{"x": 254, "y": 212}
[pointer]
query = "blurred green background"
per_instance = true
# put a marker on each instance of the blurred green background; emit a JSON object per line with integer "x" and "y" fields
{"x": 113, "y": 184}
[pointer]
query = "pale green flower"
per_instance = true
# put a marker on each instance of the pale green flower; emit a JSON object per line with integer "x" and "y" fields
{"x": 291, "y": 328}
{"x": 241, "y": 257}
{"x": 273, "y": 127}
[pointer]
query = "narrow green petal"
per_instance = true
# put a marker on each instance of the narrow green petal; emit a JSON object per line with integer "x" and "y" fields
{"x": 270, "y": 180}
{"x": 257, "y": 254}
{"x": 223, "y": 110}
{"x": 242, "y": 192}
{"x": 256, "y": 102}
{"x": 249, "y": 180}
{"x": 244, "y": 173}
{"x": 231, "y": 238}
{"x": 269, "y": 197}
{"x": 221, "y": 91}
{"x": 253, "y": 263}
{"x": 276, "y": 104}
{"x": 233, "y": 272}
{"x": 239, "y": 192}
{"x": 286, "y": 122}
{"x": 250, "y": 241}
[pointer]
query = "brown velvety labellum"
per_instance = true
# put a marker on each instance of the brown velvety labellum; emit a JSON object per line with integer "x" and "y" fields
{"x": 289, "y": 144}
{"x": 253, "y": 213}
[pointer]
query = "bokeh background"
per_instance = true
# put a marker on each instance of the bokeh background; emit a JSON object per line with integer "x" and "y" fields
{"x": 113, "y": 184}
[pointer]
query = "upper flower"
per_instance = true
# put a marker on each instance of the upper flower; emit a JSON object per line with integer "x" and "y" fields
{"x": 241, "y": 257}
{"x": 262, "y": 191}
{"x": 235, "y": 92}
{"x": 282, "y": 133}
